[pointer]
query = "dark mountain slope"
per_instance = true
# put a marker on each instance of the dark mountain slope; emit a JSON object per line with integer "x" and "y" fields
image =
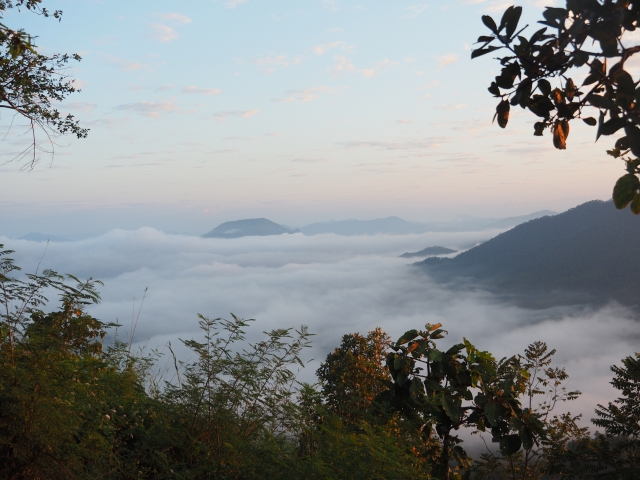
{"x": 590, "y": 254}
{"x": 249, "y": 227}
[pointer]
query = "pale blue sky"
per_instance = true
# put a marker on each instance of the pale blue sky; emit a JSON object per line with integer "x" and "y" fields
{"x": 299, "y": 111}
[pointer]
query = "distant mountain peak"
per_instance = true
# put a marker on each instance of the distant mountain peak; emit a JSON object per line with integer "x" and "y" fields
{"x": 429, "y": 251}
{"x": 250, "y": 227}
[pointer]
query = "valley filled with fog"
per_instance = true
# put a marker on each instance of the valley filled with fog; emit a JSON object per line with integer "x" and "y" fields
{"x": 335, "y": 285}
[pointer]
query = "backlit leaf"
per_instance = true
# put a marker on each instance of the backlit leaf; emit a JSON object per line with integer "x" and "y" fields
{"x": 625, "y": 190}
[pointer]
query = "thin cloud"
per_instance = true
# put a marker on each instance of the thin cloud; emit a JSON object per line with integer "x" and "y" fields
{"x": 126, "y": 65}
{"x": 150, "y": 109}
{"x": 174, "y": 17}
{"x": 235, "y": 3}
{"x": 80, "y": 106}
{"x": 268, "y": 63}
{"x": 331, "y": 5}
{"x": 304, "y": 95}
{"x": 416, "y": 10}
{"x": 448, "y": 59}
{"x": 201, "y": 91}
{"x": 378, "y": 67}
{"x": 448, "y": 106}
{"x": 235, "y": 113}
{"x": 341, "y": 65}
{"x": 163, "y": 33}
{"x": 403, "y": 144}
{"x": 404, "y": 121}
{"x": 324, "y": 48}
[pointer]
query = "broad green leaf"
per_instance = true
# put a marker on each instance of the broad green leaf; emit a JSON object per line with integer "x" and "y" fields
{"x": 510, "y": 444}
{"x": 494, "y": 412}
{"x": 635, "y": 204}
{"x": 435, "y": 355}
{"x": 625, "y": 83}
{"x": 527, "y": 438}
{"x": 544, "y": 86}
{"x": 625, "y": 190}
{"x": 599, "y": 101}
{"x": 453, "y": 407}
{"x": 483, "y": 51}
{"x": 611, "y": 126}
{"x": 513, "y": 17}
{"x": 622, "y": 143}
{"x": 490, "y": 23}
{"x": 633, "y": 139}
{"x": 408, "y": 336}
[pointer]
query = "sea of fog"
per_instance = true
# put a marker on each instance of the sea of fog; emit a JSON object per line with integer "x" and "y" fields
{"x": 335, "y": 285}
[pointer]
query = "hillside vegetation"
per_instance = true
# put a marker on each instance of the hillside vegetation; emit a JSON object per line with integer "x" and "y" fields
{"x": 588, "y": 254}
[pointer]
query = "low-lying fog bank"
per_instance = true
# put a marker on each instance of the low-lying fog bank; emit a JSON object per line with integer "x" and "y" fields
{"x": 335, "y": 285}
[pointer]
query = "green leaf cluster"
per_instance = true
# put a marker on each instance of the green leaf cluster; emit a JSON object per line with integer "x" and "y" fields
{"x": 590, "y": 35}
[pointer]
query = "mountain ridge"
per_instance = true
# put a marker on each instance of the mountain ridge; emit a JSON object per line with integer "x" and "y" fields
{"x": 587, "y": 254}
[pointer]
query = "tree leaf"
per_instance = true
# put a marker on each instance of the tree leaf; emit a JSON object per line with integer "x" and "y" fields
{"x": 483, "y": 51}
{"x": 453, "y": 407}
{"x": 599, "y": 101}
{"x": 538, "y": 128}
{"x": 490, "y": 23}
{"x": 502, "y": 113}
{"x": 625, "y": 190}
{"x": 510, "y": 444}
{"x": 635, "y": 204}
{"x": 590, "y": 121}
{"x": 512, "y": 18}
{"x": 407, "y": 336}
{"x": 611, "y": 126}
{"x": 544, "y": 86}
{"x": 560, "y": 134}
{"x": 493, "y": 412}
{"x": 633, "y": 139}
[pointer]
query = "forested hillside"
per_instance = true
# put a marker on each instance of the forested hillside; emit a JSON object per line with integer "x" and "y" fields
{"x": 588, "y": 254}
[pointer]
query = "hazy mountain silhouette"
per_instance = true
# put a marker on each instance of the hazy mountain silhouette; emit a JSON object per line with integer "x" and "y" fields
{"x": 589, "y": 254}
{"x": 40, "y": 237}
{"x": 429, "y": 251}
{"x": 245, "y": 228}
{"x": 398, "y": 226}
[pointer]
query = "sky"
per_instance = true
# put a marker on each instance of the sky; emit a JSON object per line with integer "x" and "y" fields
{"x": 298, "y": 111}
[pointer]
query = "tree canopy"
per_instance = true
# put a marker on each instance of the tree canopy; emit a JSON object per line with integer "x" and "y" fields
{"x": 590, "y": 37}
{"x": 31, "y": 83}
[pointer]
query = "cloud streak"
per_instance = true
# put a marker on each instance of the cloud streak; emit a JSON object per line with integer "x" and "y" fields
{"x": 235, "y": 113}
{"x": 150, "y": 109}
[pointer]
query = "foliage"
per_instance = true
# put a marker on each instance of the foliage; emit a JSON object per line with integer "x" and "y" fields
{"x": 30, "y": 82}
{"x": 535, "y": 75}
{"x": 435, "y": 390}
{"x": 354, "y": 374}
{"x": 547, "y": 457}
